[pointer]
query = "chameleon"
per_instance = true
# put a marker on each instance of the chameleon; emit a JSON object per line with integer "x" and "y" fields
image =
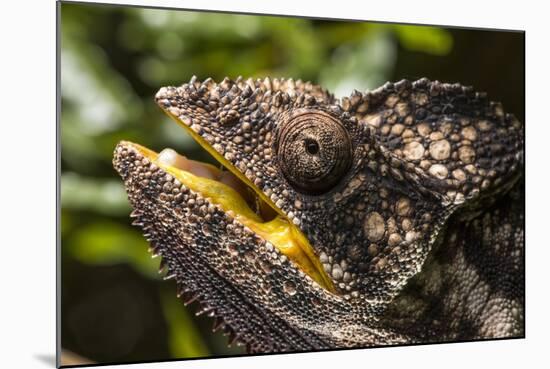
{"x": 392, "y": 216}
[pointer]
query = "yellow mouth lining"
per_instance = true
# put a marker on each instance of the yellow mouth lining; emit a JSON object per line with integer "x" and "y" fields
{"x": 280, "y": 232}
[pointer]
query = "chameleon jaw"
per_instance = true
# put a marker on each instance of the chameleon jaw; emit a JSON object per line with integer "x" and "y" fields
{"x": 278, "y": 230}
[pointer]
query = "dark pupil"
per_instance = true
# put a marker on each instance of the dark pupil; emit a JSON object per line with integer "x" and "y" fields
{"x": 312, "y": 146}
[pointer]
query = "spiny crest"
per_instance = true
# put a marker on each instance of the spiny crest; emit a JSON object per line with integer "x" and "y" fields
{"x": 229, "y": 95}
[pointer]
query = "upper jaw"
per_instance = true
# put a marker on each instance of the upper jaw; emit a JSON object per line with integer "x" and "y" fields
{"x": 244, "y": 146}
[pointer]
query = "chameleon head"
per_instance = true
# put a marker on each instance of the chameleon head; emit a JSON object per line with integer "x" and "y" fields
{"x": 326, "y": 208}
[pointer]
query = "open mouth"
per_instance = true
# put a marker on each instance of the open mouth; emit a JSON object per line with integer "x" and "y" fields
{"x": 244, "y": 202}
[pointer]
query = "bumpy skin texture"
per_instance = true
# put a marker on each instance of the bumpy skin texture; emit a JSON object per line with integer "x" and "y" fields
{"x": 418, "y": 221}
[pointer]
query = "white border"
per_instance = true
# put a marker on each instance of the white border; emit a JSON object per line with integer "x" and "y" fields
{"x": 27, "y": 237}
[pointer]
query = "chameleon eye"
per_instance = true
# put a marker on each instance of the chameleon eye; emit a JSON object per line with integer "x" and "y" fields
{"x": 314, "y": 152}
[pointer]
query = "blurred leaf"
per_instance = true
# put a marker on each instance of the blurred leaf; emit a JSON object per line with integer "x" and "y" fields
{"x": 185, "y": 338}
{"x": 105, "y": 196}
{"x": 108, "y": 243}
{"x": 100, "y": 97}
{"x": 360, "y": 66}
{"x": 431, "y": 40}
{"x": 298, "y": 48}
{"x": 67, "y": 223}
{"x": 334, "y": 34}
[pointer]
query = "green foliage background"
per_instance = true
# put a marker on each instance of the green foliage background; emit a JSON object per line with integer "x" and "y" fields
{"x": 114, "y": 59}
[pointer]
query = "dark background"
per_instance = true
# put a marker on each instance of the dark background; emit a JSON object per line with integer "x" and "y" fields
{"x": 115, "y": 307}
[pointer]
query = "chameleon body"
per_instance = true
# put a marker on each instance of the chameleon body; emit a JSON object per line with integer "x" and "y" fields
{"x": 410, "y": 198}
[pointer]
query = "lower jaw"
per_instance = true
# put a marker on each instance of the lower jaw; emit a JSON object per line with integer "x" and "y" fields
{"x": 226, "y": 191}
